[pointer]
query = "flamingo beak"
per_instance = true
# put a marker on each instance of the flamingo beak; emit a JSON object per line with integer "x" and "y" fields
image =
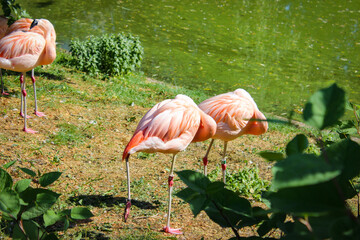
{"x": 34, "y": 23}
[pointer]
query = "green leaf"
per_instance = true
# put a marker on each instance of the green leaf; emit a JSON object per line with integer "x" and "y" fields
{"x": 9, "y": 164}
{"x": 346, "y": 154}
{"x": 44, "y": 200}
{"x": 49, "y": 178}
{"x": 197, "y": 201}
{"x": 272, "y": 156}
{"x": 50, "y": 218}
{"x": 80, "y": 213}
{"x": 5, "y": 180}
{"x": 297, "y": 145}
{"x": 9, "y": 203}
{"x": 194, "y": 180}
{"x": 325, "y": 107}
{"x": 302, "y": 169}
{"x": 22, "y": 185}
{"x": 28, "y": 171}
{"x": 313, "y": 200}
{"x": 32, "y": 230}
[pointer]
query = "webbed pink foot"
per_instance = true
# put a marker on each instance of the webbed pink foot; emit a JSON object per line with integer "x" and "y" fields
{"x": 22, "y": 115}
{"x": 4, "y": 93}
{"x": 28, "y": 130}
{"x": 176, "y": 231}
{"x": 40, "y": 114}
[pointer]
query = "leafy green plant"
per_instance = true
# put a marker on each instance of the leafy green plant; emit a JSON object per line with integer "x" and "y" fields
{"x": 13, "y": 11}
{"x": 246, "y": 182}
{"x": 108, "y": 54}
{"x": 26, "y": 210}
{"x": 309, "y": 192}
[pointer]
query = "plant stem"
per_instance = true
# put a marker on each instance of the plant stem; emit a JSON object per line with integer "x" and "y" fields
{"x": 227, "y": 220}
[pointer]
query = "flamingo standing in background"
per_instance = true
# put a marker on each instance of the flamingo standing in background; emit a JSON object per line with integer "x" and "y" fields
{"x": 22, "y": 51}
{"x": 235, "y": 114}
{"x": 169, "y": 127}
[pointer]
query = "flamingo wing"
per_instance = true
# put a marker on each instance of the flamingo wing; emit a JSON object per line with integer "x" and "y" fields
{"x": 168, "y": 127}
{"x": 21, "y": 43}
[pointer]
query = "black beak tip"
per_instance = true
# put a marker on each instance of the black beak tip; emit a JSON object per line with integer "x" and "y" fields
{"x": 34, "y": 23}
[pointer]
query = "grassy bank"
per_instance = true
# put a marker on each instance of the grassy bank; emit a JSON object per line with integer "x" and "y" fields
{"x": 88, "y": 122}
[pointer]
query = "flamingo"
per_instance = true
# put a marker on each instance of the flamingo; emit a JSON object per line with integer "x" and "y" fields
{"x": 22, "y": 51}
{"x": 235, "y": 114}
{"x": 169, "y": 127}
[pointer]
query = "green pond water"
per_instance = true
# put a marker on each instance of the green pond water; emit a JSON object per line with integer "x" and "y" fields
{"x": 280, "y": 51}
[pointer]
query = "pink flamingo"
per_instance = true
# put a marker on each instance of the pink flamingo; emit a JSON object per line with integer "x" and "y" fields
{"x": 235, "y": 114}
{"x": 22, "y": 51}
{"x": 169, "y": 127}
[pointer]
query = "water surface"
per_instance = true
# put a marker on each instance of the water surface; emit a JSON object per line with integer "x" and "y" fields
{"x": 280, "y": 51}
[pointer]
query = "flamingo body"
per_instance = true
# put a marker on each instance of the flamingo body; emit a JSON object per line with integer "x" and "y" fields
{"x": 28, "y": 44}
{"x": 235, "y": 114}
{"x": 169, "y": 127}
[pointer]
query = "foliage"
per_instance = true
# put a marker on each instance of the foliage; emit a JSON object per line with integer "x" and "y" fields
{"x": 246, "y": 182}
{"x": 108, "y": 54}
{"x": 26, "y": 210}
{"x": 13, "y": 11}
{"x": 309, "y": 192}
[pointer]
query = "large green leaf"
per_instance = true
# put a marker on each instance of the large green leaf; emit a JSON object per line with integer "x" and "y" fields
{"x": 313, "y": 200}
{"x": 9, "y": 202}
{"x": 49, "y": 178}
{"x": 28, "y": 171}
{"x": 80, "y": 213}
{"x": 44, "y": 200}
{"x": 271, "y": 155}
{"x": 346, "y": 154}
{"x": 197, "y": 201}
{"x": 22, "y": 185}
{"x": 302, "y": 169}
{"x": 325, "y": 107}
{"x": 9, "y": 164}
{"x": 194, "y": 180}
{"x": 50, "y": 218}
{"x": 5, "y": 180}
{"x": 297, "y": 145}
{"x": 32, "y": 230}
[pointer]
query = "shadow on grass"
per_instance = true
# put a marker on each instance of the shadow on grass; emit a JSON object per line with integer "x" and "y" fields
{"x": 110, "y": 201}
{"x": 38, "y": 72}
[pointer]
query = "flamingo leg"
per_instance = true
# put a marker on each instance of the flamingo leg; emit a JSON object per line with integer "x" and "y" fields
{"x": 128, "y": 200}
{"x": 223, "y": 162}
{"x": 167, "y": 228}
{"x": 205, "y": 159}
{"x": 39, "y": 114}
{"x": 2, "y": 85}
{"x": 23, "y": 94}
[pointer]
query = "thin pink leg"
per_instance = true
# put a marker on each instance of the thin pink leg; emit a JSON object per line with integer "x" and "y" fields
{"x": 223, "y": 163}
{"x": 37, "y": 113}
{"x": 128, "y": 201}
{"x": 23, "y": 93}
{"x": 205, "y": 159}
{"x": 167, "y": 228}
{"x": 22, "y": 96}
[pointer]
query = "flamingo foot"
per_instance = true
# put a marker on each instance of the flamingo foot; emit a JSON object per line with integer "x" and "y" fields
{"x": 28, "y": 130}
{"x": 4, "y": 93}
{"x": 127, "y": 210}
{"x": 176, "y": 231}
{"x": 40, "y": 114}
{"x": 22, "y": 115}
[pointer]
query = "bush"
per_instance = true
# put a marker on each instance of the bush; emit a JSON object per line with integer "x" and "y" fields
{"x": 109, "y": 54}
{"x": 26, "y": 210}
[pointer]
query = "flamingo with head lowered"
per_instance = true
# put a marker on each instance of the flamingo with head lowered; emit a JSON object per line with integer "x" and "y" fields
{"x": 236, "y": 114}
{"x": 22, "y": 51}
{"x": 169, "y": 127}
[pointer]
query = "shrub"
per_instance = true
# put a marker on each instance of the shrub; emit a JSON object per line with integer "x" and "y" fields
{"x": 26, "y": 210}
{"x": 108, "y": 54}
